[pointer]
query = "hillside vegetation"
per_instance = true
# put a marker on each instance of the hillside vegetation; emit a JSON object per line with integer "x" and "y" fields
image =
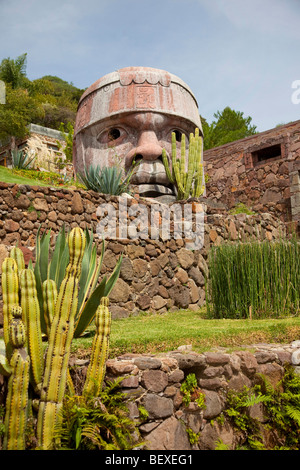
{"x": 50, "y": 101}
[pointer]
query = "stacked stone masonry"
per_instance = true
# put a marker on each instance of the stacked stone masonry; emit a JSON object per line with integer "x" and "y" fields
{"x": 153, "y": 383}
{"x": 260, "y": 171}
{"x": 157, "y": 274}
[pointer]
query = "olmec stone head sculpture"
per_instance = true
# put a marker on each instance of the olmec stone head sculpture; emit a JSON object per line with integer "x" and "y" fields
{"x": 131, "y": 113}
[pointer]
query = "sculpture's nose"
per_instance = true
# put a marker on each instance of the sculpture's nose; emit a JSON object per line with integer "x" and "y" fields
{"x": 148, "y": 148}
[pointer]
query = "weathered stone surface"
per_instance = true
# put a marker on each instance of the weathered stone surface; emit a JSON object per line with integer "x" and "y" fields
{"x": 144, "y": 362}
{"x": 40, "y": 204}
{"x": 158, "y": 302}
{"x": 120, "y": 292}
{"x": 76, "y": 206}
{"x": 274, "y": 372}
{"x": 143, "y": 301}
{"x": 217, "y": 358}
{"x": 212, "y": 433}
{"x": 185, "y": 258}
{"x": 158, "y": 407}
{"x": 120, "y": 367}
{"x": 140, "y": 267}
{"x": 182, "y": 276}
{"x": 197, "y": 276}
{"x": 176, "y": 376}
{"x": 22, "y": 202}
{"x": 180, "y": 295}
{"x": 52, "y": 216}
{"x": 248, "y": 362}
{"x": 154, "y": 380}
{"x": 170, "y": 435}
{"x": 3, "y": 254}
{"x": 213, "y": 404}
{"x": 126, "y": 271}
{"x": 11, "y": 226}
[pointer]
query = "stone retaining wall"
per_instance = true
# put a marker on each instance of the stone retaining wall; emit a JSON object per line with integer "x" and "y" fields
{"x": 238, "y": 172}
{"x": 154, "y": 383}
{"x": 157, "y": 273}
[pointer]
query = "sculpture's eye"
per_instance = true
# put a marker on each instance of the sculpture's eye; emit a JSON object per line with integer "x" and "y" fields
{"x": 114, "y": 134}
{"x": 178, "y": 135}
{"x": 110, "y": 136}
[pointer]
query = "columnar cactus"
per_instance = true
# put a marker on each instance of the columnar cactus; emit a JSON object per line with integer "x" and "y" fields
{"x": 21, "y": 354}
{"x": 10, "y": 294}
{"x": 18, "y": 382}
{"x": 97, "y": 366}
{"x": 58, "y": 353}
{"x": 31, "y": 314}
{"x": 17, "y": 254}
{"x": 188, "y": 181}
{"x": 49, "y": 301}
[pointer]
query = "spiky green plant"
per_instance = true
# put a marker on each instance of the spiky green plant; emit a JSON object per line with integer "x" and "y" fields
{"x": 188, "y": 177}
{"x": 21, "y": 159}
{"x": 106, "y": 180}
{"x": 52, "y": 266}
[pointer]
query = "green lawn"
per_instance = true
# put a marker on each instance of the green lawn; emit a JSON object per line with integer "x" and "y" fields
{"x": 147, "y": 333}
{"x": 34, "y": 178}
{"x": 7, "y": 176}
{"x": 165, "y": 332}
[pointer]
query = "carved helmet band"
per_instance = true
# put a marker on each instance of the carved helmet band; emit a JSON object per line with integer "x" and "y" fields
{"x": 136, "y": 89}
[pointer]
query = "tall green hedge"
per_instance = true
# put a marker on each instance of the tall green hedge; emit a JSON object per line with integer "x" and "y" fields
{"x": 254, "y": 279}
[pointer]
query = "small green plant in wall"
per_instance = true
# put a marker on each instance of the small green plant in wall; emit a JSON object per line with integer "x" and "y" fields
{"x": 191, "y": 392}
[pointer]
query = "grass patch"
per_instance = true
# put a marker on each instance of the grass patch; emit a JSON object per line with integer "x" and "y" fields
{"x": 9, "y": 176}
{"x": 34, "y": 178}
{"x": 156, "y": 333}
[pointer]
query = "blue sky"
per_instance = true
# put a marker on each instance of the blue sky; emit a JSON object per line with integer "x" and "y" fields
{"x": 238, "y": 53}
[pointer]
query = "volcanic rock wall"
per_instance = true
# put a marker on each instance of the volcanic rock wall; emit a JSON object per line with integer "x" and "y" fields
{"x": 261, "y": 171}
{"x": 154, "y": 383}
{"x": 158, "y": 273}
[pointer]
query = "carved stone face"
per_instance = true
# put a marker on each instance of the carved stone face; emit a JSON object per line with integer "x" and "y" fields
{"x": 129, "y": 115}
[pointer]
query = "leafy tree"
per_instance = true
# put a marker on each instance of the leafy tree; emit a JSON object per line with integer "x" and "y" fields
{"x": 228, "y": 126}
{"x": 19, "y": 110}
{"x": 68, "y": 136}
{"x": 47, "y": 101}
{"x": 14, "y": 71}
{"x": 59, "y": 100}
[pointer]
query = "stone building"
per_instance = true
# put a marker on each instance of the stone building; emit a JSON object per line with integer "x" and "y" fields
{"x": 46, "y": 144}
{"x": 261, "y": 172}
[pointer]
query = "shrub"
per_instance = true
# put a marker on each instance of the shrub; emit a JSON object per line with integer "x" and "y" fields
{"x": 258, "y": 279}
{"x": 21, "y": 160}
{"x": 106, "y": 180}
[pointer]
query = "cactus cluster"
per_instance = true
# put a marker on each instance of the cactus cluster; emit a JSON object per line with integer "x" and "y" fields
{"x": 22, "y": 355}
{"x": 186, "y": 175}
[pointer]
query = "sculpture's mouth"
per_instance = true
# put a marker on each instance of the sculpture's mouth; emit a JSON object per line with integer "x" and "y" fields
{"x": 151, "y": 180}
{"x": 155, "y": 190}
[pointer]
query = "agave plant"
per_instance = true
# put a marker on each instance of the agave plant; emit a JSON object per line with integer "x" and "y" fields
{"x": 53, "y": 266}
{"x": 21, "y": 160}
{"x": 106, "y": 180}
